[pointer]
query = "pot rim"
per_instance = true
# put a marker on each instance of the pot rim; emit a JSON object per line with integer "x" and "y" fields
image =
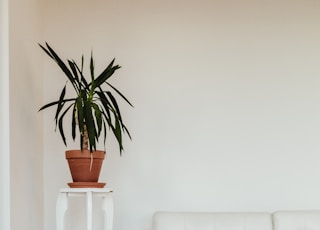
{"x": 77, "y": 153}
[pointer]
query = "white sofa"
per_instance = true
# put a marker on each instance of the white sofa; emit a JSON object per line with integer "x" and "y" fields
{"x": 280, "y": 220}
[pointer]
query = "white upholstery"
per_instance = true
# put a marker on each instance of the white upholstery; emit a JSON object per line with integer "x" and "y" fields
{"x": 296, "y": 220}
{"x": 212, "y": 221}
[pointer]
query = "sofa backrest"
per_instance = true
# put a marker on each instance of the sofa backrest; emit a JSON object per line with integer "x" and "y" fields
{"x": 212, "y": 221}
{"x": 296, "y": 220}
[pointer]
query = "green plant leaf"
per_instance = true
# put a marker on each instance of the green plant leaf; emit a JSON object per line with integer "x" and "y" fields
{"x": 89, "y": 121}
{"x": 80, "y": 115}
{"x": 74, "y": 122}
{"x": 108, "y": 121}
{"x": 98, "y": 119}
{"x": 118, "y": 134}
{"x": 92, "y": 84}
{"x": 104, "y": 135}
{"x": 75, "y": 74}
{"x": 46, "y": 51}
{"x": 127, "y": 131}
{"x": 115, "y": 105}
{"x": 82, "y": 62}
{"x": 61, "y": 125}
{"x": 115, "y": 132}
{"x": 61, "y": 64}
{"x": 83, "y": 81}
{"x": 55, "y": 103}
{"x": 92, "y": 68}
{"x": 60, "y": 104}
{"x": 120, "y": 94}
{"x": 105, "y": 102}
{"x": 106, "y": 74}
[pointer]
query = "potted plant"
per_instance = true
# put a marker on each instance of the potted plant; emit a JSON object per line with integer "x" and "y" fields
{"x": 94, "y": 112}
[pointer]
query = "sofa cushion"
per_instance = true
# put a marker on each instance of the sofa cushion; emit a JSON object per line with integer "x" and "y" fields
{"x": 212, "y": 221}
{"x": 296, "y": 220}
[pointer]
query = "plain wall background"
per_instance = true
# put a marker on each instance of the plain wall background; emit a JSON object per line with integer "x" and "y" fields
{"x": 226, "y": 97}
{"x": 4, "y": 118}
{"x": 26, "y": 125}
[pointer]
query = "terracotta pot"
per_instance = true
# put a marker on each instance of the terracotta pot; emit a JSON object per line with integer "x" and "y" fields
{"x": 80, "y": 162}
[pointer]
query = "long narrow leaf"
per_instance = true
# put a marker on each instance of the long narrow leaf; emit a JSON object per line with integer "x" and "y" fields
{"x": 118, "y": 134}
{"x": 46, "y": 51}
{"x": 61, "y": 125}
{"x": 106, "y": 74}
{"x": 74, "y": 122}
{"x": 83, "y": 80}
{"x": 105, "y": 71}
{"x": 55, "y": 103}
{"x": 120, "y": 94}
{"x": 98, "y": 118}
{"x": 92, "y": 77}
{"x": 60, "y": 104}
{"x": 91, "y": 68}
{"x": 104, "y": 135}
{"x": 127, "y": 131}
{"x": 115, "y": 105}
{"x": 80, "y": 114}
{"x": 82, "y": 62}
{"x": 105, "y": 102}
{"x": 107, "y": 118}
{"x": 75, "y": 74}
{"x": 61, "y": 64}
{"x": 89, "y": 121}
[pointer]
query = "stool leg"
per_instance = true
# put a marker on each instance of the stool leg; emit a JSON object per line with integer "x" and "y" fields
{"x": 107, "y": 207}
{"x": 61, "y": 208}
{"x": 89, "y": 210}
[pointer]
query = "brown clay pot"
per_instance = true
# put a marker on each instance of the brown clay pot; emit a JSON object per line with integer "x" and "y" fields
{"x": 79, "y": 165}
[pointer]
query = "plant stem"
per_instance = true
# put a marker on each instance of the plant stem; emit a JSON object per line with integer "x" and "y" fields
{"x": 85, "y": 138}
{"x": 85, "y": 144}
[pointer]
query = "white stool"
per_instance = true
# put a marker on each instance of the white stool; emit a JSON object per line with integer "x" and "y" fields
{"x": 107, "y": 205}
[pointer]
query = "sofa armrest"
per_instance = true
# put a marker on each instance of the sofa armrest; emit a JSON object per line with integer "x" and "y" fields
{"x": 296, "y": 220}
{"x": 212, "y": 221}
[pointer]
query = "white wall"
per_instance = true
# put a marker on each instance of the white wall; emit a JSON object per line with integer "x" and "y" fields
{"x": 4, "y": 118}
{"x": 26, "y": 142}
{"x": 226, "y": 97}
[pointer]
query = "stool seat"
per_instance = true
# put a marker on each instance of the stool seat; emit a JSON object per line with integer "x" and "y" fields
{"x": 107, "y": 205}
